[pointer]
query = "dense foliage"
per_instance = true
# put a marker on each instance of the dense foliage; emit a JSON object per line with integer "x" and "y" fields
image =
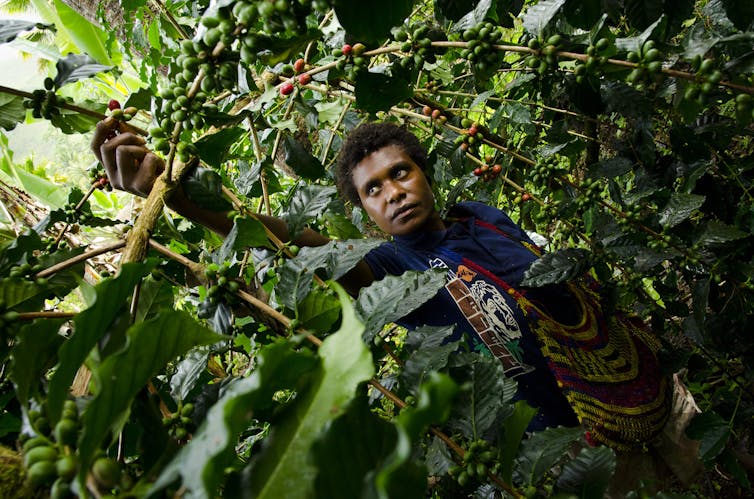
{"x": 620, "y": 132}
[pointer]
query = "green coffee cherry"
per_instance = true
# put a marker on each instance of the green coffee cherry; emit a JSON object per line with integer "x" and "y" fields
{"x": 39, "y": 454}
{"x": 107, "y": 472}
{"x": 66, "y": 467}
{"x": 66, "y": 432}
{"x": 42, "y": 473}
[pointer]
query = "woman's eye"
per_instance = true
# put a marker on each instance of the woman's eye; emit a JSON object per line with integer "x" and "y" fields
{"x": 401, "y": 173}
{"x": 371, "y": 191}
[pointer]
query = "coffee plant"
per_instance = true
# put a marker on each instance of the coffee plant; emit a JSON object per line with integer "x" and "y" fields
{"x": 146, "y": 357}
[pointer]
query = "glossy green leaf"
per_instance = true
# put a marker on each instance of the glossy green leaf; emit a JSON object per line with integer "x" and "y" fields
{"x": 336, "y": 257}
{"x": 11, "y": 28}
{"x": 20, "y": 294}
{"x": 339, "y": 226}
{"x": 295, "y": 282}
{"x": 399, "y": 477}
{"x": 538, "y": 17}
{"x": 213, "y": 148}
{"x": 641, "y": 13}
{"x": 302, "y": 161}
{"x": 378, "y": 92}
{"x": 318, "y": 311}
{"x": 204, "y": 187}
{"x": 542, "y": 451}
{"x": 433, "y": 405}
{"x": 370, "y": 22}
{"x": 154, "y": 295}
{"x": 653, "y": 31}
{"x": 39, "y": 187}
{"x": 75, "y": 67}
{"x": 330, "y": 261}
{"x": 187, "y": 372}
{"x": 308, "y": 203}
{"x": 486, "y": 396}
{"x": 12, "y": 111}
{"x": 88, "y": 37}
{"x": 514, "y": 429}
{"x": 201, "y": 463}
{"x": 589, "y": 473}
{"x": 679, "y": 208}
{"x": 393, "y": 297}
{"x": 71, "y": 122}
{"x": 715, "y": 233}
{"x": 283, "y": 48}
{"x": 246, "y": 233}
{"x": 740, "y": 13}
{"x": 358, "y": 441}
{"x": 151, "y": 345}
{"x": 474, "y": 16}
{"x": 89, "y": 327}
{"x": 33, "y": 354}
{"x": 713, "y": 433}
{"x": 556, "y": 267}
{"x": 429, "y": 352}
{"x": 284, "y": 468}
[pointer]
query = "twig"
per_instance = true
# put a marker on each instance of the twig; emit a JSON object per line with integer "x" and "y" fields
{"x": 80, "y": 258}
{"x": 30, "y": 316}
{"x": 70, "y": 107}
{"x": 341, "y": 117}
{"x": 77, "y": 208}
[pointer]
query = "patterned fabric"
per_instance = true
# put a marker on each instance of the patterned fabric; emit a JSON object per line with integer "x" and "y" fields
{"x": 608, "y": 371}
{"x": 554, "y": 341}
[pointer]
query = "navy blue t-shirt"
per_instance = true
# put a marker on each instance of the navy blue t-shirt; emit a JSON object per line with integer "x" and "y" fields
{"x": 485, "y": 254}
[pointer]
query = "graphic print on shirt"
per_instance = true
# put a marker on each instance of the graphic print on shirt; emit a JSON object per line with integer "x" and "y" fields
{"x": 487, "y": 311}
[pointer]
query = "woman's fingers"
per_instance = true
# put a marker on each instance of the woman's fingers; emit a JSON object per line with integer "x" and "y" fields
{"x": 137, "y": 169}
{"x": 113, "y": 161}
{"x": 128, "y": 162}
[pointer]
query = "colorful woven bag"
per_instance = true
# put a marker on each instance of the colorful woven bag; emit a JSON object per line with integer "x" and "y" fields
{"x": 608, "y": 369}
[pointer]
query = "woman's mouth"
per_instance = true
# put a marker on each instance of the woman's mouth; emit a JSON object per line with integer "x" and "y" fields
{"x": 404, "y": 211}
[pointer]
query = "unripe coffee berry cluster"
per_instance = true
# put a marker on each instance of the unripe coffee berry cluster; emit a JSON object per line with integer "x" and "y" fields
{"x": 660, "y": 241}
{"x": 179, "y": 424}
{"x": 479, "y": 50}
{"x": 631, "y": 215}
{"x": 589, "y": 193}
{"x": 74, "y": 215}
{"x": 649, "y": 63}
{"x": 706, "y": 79}
{"x": 277, "y": 17}
{"x": 49, "y": 457}
{"x": 117, "y": 113}
{"x": 543, "y": 171}
{"x": 544, "y": 57}
{"x": 480, "y": 458}
{"x": 46, "y": 103}
{"x": 416, "y": 40}
{"x": 595, "y": 59}
{"x": 222, "y": 288}
{"x": 98, "y": 178}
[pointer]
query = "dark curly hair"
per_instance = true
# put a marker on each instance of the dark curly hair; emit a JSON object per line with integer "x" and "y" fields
{"x": 366, "y": 139}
